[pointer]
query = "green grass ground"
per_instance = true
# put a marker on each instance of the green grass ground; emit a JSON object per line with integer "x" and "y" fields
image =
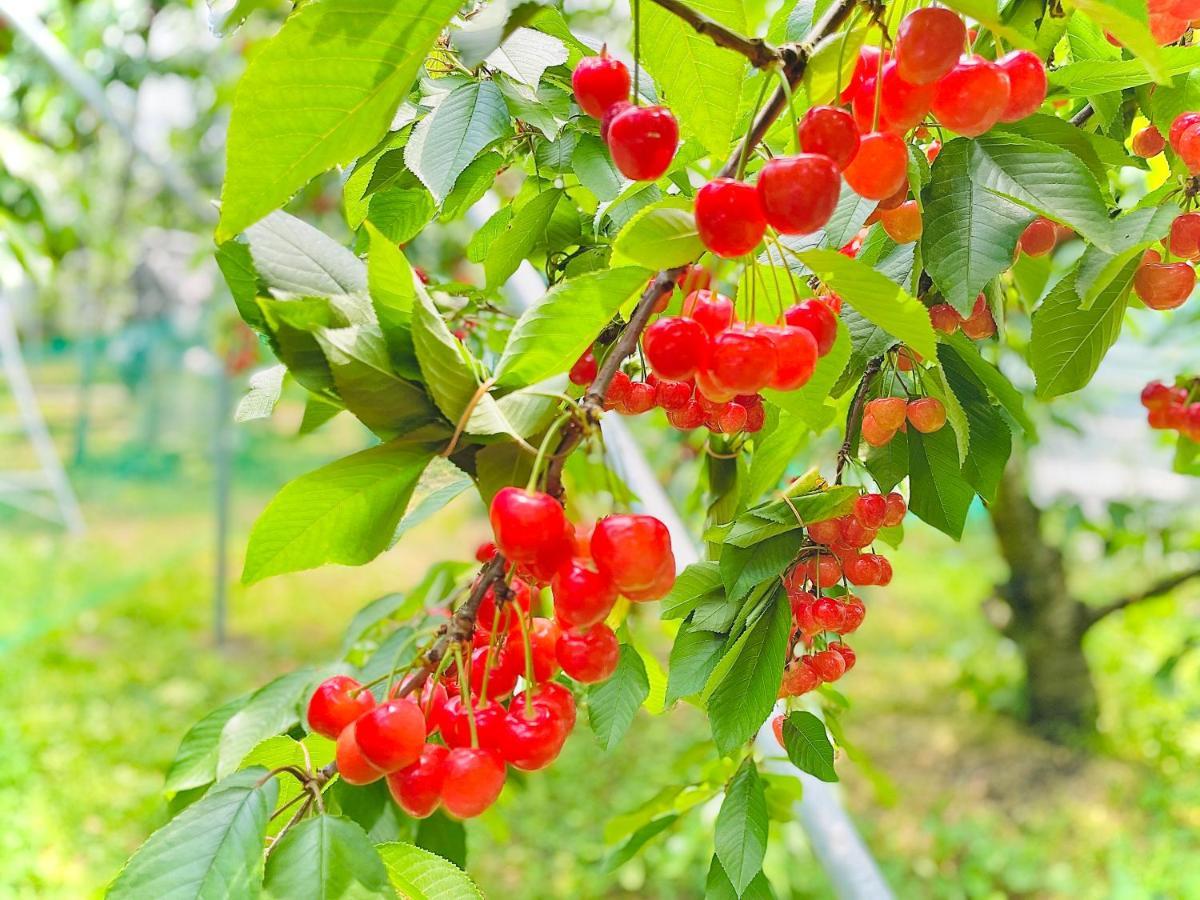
{"x": 106, "y": 658}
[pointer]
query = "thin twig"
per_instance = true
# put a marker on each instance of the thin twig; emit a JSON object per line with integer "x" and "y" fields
{"x": 1083, "y": 115}
{"x": 759, "y": 52}
{"x": 854, "y": 416}
{"x": 1164, "y": 586}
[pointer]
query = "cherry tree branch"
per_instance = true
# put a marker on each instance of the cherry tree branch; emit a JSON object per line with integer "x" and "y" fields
{"x": 1158, "y": 589}
{"x": 759, "y": 52}
{"x": 854, "y": 416}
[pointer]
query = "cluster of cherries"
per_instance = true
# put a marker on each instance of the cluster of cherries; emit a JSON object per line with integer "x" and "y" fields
{"x": 835, "y": 556}
{"x": 884, "y": 416}
{"x": 1174, "y": 407}
{"x": 641, "y": 139}
{"x": 979, "y": 325}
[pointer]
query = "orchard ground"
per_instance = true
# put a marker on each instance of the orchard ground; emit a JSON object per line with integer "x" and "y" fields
{"x": 106, "y": 658}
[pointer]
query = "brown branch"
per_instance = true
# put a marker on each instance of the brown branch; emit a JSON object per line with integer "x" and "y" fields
{"x": 854, "y": 415}
{"x": 1158, "y": 589}
{"x": 1080, "y": 118}
{"x": 759, "y": 52}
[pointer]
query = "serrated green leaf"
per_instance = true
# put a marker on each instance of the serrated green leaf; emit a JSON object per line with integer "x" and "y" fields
{"x": 746, "y": 693}
{"x": 694, "y": 656}
{"x": 526, "y": 54}
{"x": 612, "y": 704}
{"x": 283, "y": 750}
{"x": 936, "y": 386}
{"x": 290, "y": 255}
{"x": 595, "y": 169}
{"x": 521, "y": 234}
{"x": 694, "y": 584}
{"x": 888, "y": 464}
{"x": 448, "y": 369}
{"x": 832, "y": 64}
{"x": 717, "y": 886}
{"x": 259, "y": 402}
{"x": 325, "y": 857}
{"x": 393, "y": 289}
{"x": 940, "y": 495}
{"x": 471, "y": 185}
{"x": 661, "y": 236}
{"x": 808, "y": 745}
{"x": 849, "y": 216}
{"x": 638, "y": 840}
{"x": 1001, "y": 388}
{"x": 744, "y": 567}
{"x": 237, "y": 267}
{"x": 273, "y": 708}
{"x": 417, "y": 874}
{"x": 471, "y": 118}
{"x": 1128, "y": 19}
{"x": 740, "y": 838}
{"x": 195, "y": 763}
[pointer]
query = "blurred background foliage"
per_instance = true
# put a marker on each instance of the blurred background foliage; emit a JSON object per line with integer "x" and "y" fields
{"x": 106, "y": 648}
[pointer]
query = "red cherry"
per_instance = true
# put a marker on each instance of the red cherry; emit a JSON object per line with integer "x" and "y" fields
{"x": 675, "y": 347}
{"x": 827, "y": 532}
{"x": 829, "y": 664}
{"x": 543, "y": 639}
{"x": 756, "y": 415}
{"x": 827, "y": 613}
{"x": 817, "y": 319}
{"x": 599, "y": 82}
{"x": 672, "y": 395}
{"x": 1182, "y": 123}
{"x": 945, "y": 318}
{"x": 889, "y": 412}
{"x": 874, "y": 433}
{"x": 799, "y": 193}
{"x": 863, "y": 569}
{"x": 870, "y": 510}
{"x": 979, "y": 324}
{"x": 1189, "y": 149}
{"x": 848, "y": 656}
{"x": 1185, "y": 236}
{"x": 687, "y": 418}
{"x": 896, "y": 508}
{"x": 795, "y": 356}
{"x": 903, "y": 105}
{"x": 903, "y": 224}
{"x": 486, "y": 615}
{"x": 499, "y": 667}
{"x": 731, "y": 419}
{"x": 880, "y": 167}
{"x": 642, "y": 141}
{"x": 928, "y": 43}
{"x": 391, "y": 735}
{"x": 971, "y": 98}
{"x": 711, "y": 391}
{"x": 632, "y": 550}
{"x": 799, "y": 678}
{"x": 1167, "y": 29}
{"x": 555, "y": 696}
{"x": 743, "y": 361}
{"x": 1148, "y": 142}
{"x": 584, "y": 370}
{"x": 589, "y": 656}
{"x": 1184, "y": 9}
{"x": 1039, "y": 237}
{"x": 1156, "y": 395}
{"x": 618, "y": 390}
{"x": 1164, "y": 285}
{"x": 885, "y": 575}
{"x": 854, "y": 610}
{"x": 352, "y": 765}
{"x": 526, "y": 523}
{"x": 418, "y": 789}
{"x": 485, "y": 552}
{"x": 1027, "y": 84}
{"x": 865, "y": 67}
{"x": 712, "y": 310}
{"x": 433, "y": 698}
{"x": 611, "y": 113}
{"x": 824, "y": 570}
{"x": 582, "y": 597}
{"x": 829, "y": 131}
{"x": 532, "y": 741}
{"x": 336, "y": 703}
{"x": 729, "y": 217}
{"x": 640, "y": 399}
{"x": 777, "y": 728}
{"x": 927, "y": 414}
{"x": 474, "y": 778}
{"x": 454, "y": 723}
{"x": 694, "y": 278}
{"x": 855, "y": 534}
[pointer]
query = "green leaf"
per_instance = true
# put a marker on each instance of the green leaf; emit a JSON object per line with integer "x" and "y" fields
{"x": 273, "y": 708}
{"x": 875, "y": 297}
{"x": 392, "y": 284}
{"x": 522, "y": 233}
{"x": 195, "y": 763}
{"x": 1100, "y": 76}
{"x": 1068, "y": 343}
{"x": 471, "y": 185}
{"x": 526, "y": 54}
{"x": 325, "y": 857}
{"x": 284, "y": 750}
{"x": 472, "y": 117}
{"x": 694, "y": 584}
{"x": 717, "y": 886}
{"x": 291, "y": 255}
{"x": 956, "y": 417}
{"x": 702, "y": 83}
{"x": 744, "y": 567}
{"x": 808, "y": 746}
{"x": 638, "y": 840}
{"x": 694, "y": 656}
{"x": 446, "y": 364}
{"x": 744, "y": 697}
{"x": 939, "y": 493}
{"x": 888, "y": 464}
{"x": 1001, "y": 388}
{"x": 661, "y": 236}
{"x": 612, "y": 704}
{"x": 741, "y": 830}
{"x": 832, "y": 63}
{"x": 988, "y": 14}
{"x": 848, "y": 218}
{"x": 213, "y": 849}
{"x": 401, "y": 213}
{"x": 444, "y": 836}
{"x": 1137, "y": 230}
{"x": 342, "y": 513}
{"x": 265, "y": 387}
{"x": 553, "y": 333}
{"x": 318, "y": 94}
{"x": 417, "y": 874}
{"x": 595, "y": 169}
{"x": 1128, "y": 20}
{"x": 237, "y": 267}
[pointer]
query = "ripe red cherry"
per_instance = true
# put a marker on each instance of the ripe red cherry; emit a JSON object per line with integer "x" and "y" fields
{"x": 799, "y": 193}
{"x": 896, "y": 508}
{"x": 831, "y": 132}
{"x": 543, "y": 639}
{"x": 526, "y": 523}
{"x": 1026, "y": 84}
{"x": 1182, "y": 123}
{"x": 945, "y": 318}
{"x": 632, "y": 550}
{"x": 1039, "y": 237}
{"x": 928, "y": 43}
{"x": 903, "y": 224}
{"x": 1163, "y": 285}
{"x": 827, "y": 613}
{"x": 694, "y": 278}
{"x": 589, "y": 656}
{"x": 1189, "y": 149}
{"x": 433, "y": 698}
{"x": 675, "y": 347}
{"x": 854, "y": 610}
{"x": 731, "y": 419}
{"x": 599, "y": 82}
{"x": 713, "y": 311}
{"x": 672, "y": 395}
{"x": 486, "y": 616}
{"x": 972, "y": 97}
{"x": 1148, "y": 142}
{"x": 1167, "y": 29}
{"x": 817, "y": 319}
{"x": 827, "y": 532}
{"x": 640, "y": 399}
{"x": 455, "y": 723}
{"x": 799, "y": 678}
{"x": 709, "y": 390}
{"x": 743, "y": 361}
{"x": 903, "y": 105}
{"x": 880, "y": 167}
{"x": 870, "y": 510}
{"x": 391, "y": 735}
{"x": 927, "y": 414}
{"x": 824, "y": 570}
{"x": 865, "y": 67}
{"x": 863, "y": 569}
{"x": 729, "y": 217}
{"x": 889, "y": 412}
{"x": 485, "y": 552}
{"x": 334, "y": 705}
{"x": 688, "y": 417}
{"x": 1185, "y": 236}
{"x": 885, "y": 576}
{"x": 642, "y": 141}
{"x": 418, "y": 788}
{"x": 855, "y": 534}
{"x": 533, "y": 741}
{"x": 352, "y": 765}
{"x": 584, "y": 370}
{"x": 795, "y": 356}
{"x": 582, "y": 597}
{"x": 499, "y": 667}
{"x": 611, "y": 113}
{"x": 829, "y": 664}
{"x": 979, "y": 324}
{"x": 474, "y": 778}
{"x": 848, "y": 655}
{"x": 777, "y": 728}
{"x": 555, "y": 696}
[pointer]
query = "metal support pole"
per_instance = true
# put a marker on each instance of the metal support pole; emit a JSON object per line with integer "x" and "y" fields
{"x": 223, "y": 482}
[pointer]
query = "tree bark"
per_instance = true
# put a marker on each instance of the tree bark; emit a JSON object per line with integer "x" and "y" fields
{"x": 1047, "y": 623}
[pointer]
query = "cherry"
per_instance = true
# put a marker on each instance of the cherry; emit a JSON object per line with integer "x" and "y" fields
{"x": 1189, "y": 149}
{"x": 777, "y": 728}
{"x": 1157, "y": 395}
{"x": 885, "y": 575}
{"x": 640, "y": 399}
{"x": 582, "y": 597}
{"x": 828, "y": 532}
{"x": 729, "y": 217}
{"x": 1185, "y": 236}
{"x": 854, "y": 610}
{"x": 660, "y": 587}
{"x": 742, "y": 361}
{"x": 799, "y": 193}
{"x": 945, "y": 318}
{"x": 1167, "y": 29}
{"x": 521, "y": 600}
{"x": 889, "y": 412}
{"x": 863, "y": 569}
{"x": 933, "y": 150}
{"x": 928, "y": 43}
{"x": 903, "y": 105}
{"x": 675, "y": 347}
{"x": 870, "y": 510}
{"x": 799, "y": 678}
{"x": 485, "y": 552}
{"x": 336, "y": 703}
{"x": 865, "y": 67}
{"x": 756, "y": 414}
{"x": 589, "y": 656}
{"x": 688, "y": 417}
{"x": 642, "y": 141}
{"x": 352, "y": 765}
{"x": 1162, "y": 285}
{"x": 712, "y": 310}
{"x": 632, "y": 550}
{"x": 1026, "y": 75}
{"x": 710, "y": 390}
{"x": 1184, "y": 9}
{"x": 829, "y": 131}
{"x": 526, "y": 523}
{"x": 418, "y": 788}
{"x": 543, "y": 641}
{"x": 880, "y": 167}
{"x": 795, "y": 356}
{"x": 927, "y": 414}
{"x": 731, "y": 419}
{"x": 874, "y": 433}
{"x": 694, "y": 278}
{"x": 979, "y": 324}
{"x": 611, "y": 113}
{"x": 672, "y": 395}
{"x": 829, "y": 664}
{"x": 1182, "y": 123}
{"x": 827, "y": 613}
{"x": 599, "y": 82}
{"x": 532, "y": 741}
{"x": 903, "y": 224}
{"x": 584, "y": 370}
{"x": 474, "y": 778}
{"x": 896, "y": 508}
{"x": 433, "y": 698}
{"x": 847, "y": 655}
{"x": 824, "y": 570}
{"x": 972, "y": 96}
{"x": 1148, "y": 142}
{"x": 618, "y": 390}
{"x": 817, "y": 319}
{"x": 1039, "y": 237}
{"x": 557, "y": 697}
{"x": 855, "y": 534}
{"x": 391, "y": 735}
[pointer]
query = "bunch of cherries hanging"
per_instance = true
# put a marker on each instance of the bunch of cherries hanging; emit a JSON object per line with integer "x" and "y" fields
{"x": 1174, "y": 407}
{"x": 450, "y": 748}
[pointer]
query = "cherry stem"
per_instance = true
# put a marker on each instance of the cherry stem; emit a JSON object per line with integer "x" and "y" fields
{"x": 544, "y": 446}
{"x": 637, "y": 52}
{"x": 786, "y": 87}
{"x": 530, "y": 682}
{"x": 464, "y": 691}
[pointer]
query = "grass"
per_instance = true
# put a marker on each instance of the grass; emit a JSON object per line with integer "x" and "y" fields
{"x": 106, "y": 659}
